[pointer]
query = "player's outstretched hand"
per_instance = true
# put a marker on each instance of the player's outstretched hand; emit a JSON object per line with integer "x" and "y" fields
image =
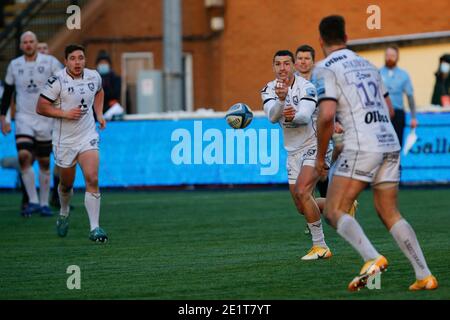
{"x": 281, "y": 89}
{"x": 102, "y": 122}
{"x": 73, "y": 114}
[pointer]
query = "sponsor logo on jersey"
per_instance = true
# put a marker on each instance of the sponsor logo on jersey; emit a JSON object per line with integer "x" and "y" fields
{"x": 93, "y": 142}
{"x": 335, "y": 59}
{"x": 295, "y": 99}
{"x": 320, "y": 85}
{"x": 41, "y": 69}
{"x": 91, "y": 86}
{"x": 32, "y": 87}
{"x": 83, "y": 107}
{"x": 310, "y": 92}
{"x": 344, "y": 167}
{"x": 70, "y": 90}
{"x": 375, "y": 116}
{"x": 310, "y": 152}
{"x": 362, "y": 76}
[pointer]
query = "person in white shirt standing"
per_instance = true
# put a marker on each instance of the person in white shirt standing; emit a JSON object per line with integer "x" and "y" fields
{"x": 71, "y": 96}
{"x": 26, "y": 75}
{"x": 291, "y": 101}
{"x": 350, "y": 89}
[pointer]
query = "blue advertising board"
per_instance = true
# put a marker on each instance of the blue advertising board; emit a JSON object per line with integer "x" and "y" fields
{"x": 208, "y": 151}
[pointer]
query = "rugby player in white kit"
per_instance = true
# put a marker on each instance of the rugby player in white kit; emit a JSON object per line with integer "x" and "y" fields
{"x": 350, "y": 89}
{"x": 71, "y": 96}
{"x": 291, "y": 101}
{"x": 27, "y": 75}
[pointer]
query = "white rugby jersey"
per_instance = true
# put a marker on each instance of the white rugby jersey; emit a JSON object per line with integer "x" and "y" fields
{"x": 356, "y": 85}
{"x": 302, "y": 93}
{"x": 66, "y": 93}
{"x": 29, "y": 78}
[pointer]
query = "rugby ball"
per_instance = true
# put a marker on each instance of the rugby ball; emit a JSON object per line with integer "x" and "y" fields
{"x": 239, "y": 116}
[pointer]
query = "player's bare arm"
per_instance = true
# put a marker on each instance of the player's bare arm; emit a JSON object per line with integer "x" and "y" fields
{"x": 98, "y": 108}
{"x": 46, "y": 108}
{"x": 390, "y": 107}
{"x": 5, "y": 125}
{"x": 5, "y": 103}
{"x": 325, "y": 129}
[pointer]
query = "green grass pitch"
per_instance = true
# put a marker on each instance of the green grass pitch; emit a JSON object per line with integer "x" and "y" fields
{"x": 211, "y": 245}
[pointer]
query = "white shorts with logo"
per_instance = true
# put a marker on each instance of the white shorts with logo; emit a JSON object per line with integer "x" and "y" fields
{"x": 35, "y": 126}
{"x": 304, "y": 157}
{"x": 66, "y": 156}
{"x": 372, "y": 167}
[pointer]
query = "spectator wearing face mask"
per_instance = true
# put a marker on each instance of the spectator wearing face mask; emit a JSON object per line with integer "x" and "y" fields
{"x": 111, "y": 86}
{"x": 441, "y": 92}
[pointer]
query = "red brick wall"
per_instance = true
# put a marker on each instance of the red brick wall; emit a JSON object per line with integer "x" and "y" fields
{"x": 255, "y": 29}
{"x": 236, "y": 64}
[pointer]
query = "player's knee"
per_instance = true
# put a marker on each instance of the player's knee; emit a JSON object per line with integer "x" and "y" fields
{"x": 330, "y": 215}
{"x": 302, "y": 194}
{"x": 44, "y": 164}
{"x": 65, "y": 188}
{"x": 25, "y": 159}
{"x": 92, "y": 180}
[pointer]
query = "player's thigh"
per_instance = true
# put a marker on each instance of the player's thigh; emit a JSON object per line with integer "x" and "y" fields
{"x": 341, "y": 193}
{"x": 89, "y": 162}
{"x": 385, "y": 188}
{"x": 307, "y": 179}
{"x": 293, "y": 165}
{"x": 385, "y": 200}
{"x": 25, "y": 145}
{"x": 43, "y": 151}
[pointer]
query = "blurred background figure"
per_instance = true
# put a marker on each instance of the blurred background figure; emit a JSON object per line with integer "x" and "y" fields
{"x": 398, "y": 82}
{"x": 42, "y": 47}
{"x": 111, "y": 86}
{"x": 441, "y": 92}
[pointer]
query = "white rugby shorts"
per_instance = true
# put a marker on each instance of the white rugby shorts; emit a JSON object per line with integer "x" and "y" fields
{"x": 371, "y": 167}
{"x": 305, "y": 156}
{"x": 66, "y": 156}
{"x": 35, "y": 126}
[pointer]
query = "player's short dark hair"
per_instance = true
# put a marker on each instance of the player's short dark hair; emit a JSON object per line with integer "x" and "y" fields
{"x": 332, "y": 30}
{"x": 306, "y": 48}
{"x": 73, "y": 47}
{"x": 282, "y": 53}
{"x": 393, "y": 47}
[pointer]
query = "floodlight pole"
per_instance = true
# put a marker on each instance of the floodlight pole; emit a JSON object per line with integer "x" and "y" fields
{"x": 172, "y": 39}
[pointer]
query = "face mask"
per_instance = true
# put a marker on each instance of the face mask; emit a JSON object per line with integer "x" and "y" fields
{"x": 445, "y": 67}
{"x": 103, "y": 68}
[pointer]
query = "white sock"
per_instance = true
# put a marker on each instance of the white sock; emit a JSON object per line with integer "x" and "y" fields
{"x": 44, "y": 187}
{"x": 406, "y": 239}
{"x": 351, "y": 231}
{"x": 92, "y": 204}
{"x": 317, "y": 234}
{"x": 64, "y": 201}
{"x": 28, "y": 179}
